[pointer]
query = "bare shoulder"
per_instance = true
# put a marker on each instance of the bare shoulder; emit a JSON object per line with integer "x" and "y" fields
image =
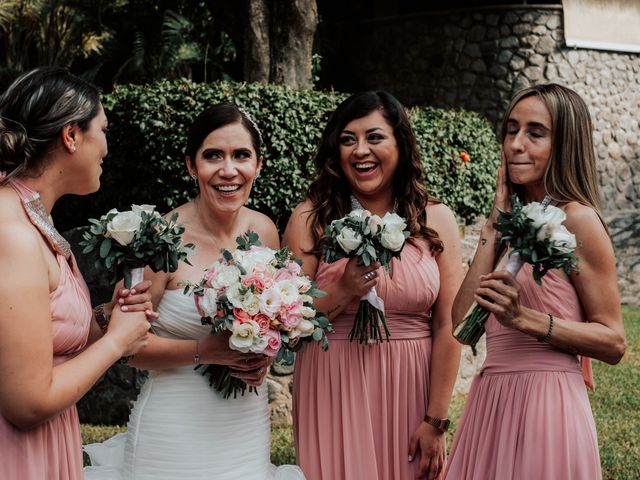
{"x": 302, "y": 213}
{"x": 264, "y": 227}
{"x": 582, "y": 218}
{"x": 21, "y": 250}
{"x": 440, "y": 217}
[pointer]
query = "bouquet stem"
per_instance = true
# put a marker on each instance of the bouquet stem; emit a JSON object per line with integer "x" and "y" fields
{"x": 370, "y": 315}
{"x": 471, "y": 329}
{"x": 133, "y": 276}
{"x": 221, "y": 380}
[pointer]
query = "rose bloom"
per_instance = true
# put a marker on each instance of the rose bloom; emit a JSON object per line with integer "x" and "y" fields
{"x": 210, "y": 274}
{"x": 207, "y": 303}
{"x": 304, "y": 329}
{"x": 241, "y": 315}
{"x": 270, "y": 302}
{"x": 291, "y": 315}
{"x": 293, "y": 267}
{"x": 254, "y": 280}
{"x": 263, "y": 322}
{"x": 243, "y": 335}
{"x": 274, "y": 342}
{"x": 282, "y": 275}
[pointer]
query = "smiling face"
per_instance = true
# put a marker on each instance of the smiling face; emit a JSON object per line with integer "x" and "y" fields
{"x": 527, "y": 145}
{"x": 369, "y": 154}
{"x": 225, "y": 167}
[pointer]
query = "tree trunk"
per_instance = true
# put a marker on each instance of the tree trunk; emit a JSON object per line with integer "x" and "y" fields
{"x": 273, "y": 38}
{"x": 256, "y": 44}
{"x": 293, "y": 25}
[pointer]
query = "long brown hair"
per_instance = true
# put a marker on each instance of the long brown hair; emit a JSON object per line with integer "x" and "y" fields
{"x": 330, "y": 192}
{"x": 571, "y": 172}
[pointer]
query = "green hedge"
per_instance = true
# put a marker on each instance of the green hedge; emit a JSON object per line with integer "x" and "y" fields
{"x": 147, "y": 135}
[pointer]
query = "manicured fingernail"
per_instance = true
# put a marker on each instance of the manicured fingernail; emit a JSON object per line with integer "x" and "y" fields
{"x": 410, "y": 458}
{"x": 121, "y": 301}
{"x": 133, "y": 291}
{"x": 124, "y": 308}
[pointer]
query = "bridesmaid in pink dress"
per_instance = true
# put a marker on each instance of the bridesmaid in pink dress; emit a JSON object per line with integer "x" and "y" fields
{"x": 52, "y": 142}
{"x": 376, "y": 411}
{"x": 528, "y": 414}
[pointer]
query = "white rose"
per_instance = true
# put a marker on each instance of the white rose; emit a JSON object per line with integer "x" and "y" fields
{"x": 227, "y": 276}
{"x": 123, "y": 227}
{"x": 304, "y": 329}
{"x": 392, "y": 238}
{"x": 143, "y": 208}
{"x": 244, "y": 335}
{"x": 308, "y": 312}
{"x": 375, "y": 224}
{"x": 259, "y": 344}
{"x": 349, "y": 240}
{"x": 540, "y": 216}
{"x": 563, "y": 239}
{"x": 270, "y": 302}
{"x": 393, "y": 221}
{"x": 288, "y": 291}
{"x": 256, "y": 256}
{"x": 233, "y": 296}
{"x": 359, "y": 214}
{"x": 208, "y": 302}
{"x": 306, "y": 298}
{"x": 250, "y": 304}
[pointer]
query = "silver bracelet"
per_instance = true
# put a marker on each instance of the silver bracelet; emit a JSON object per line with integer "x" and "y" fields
{"x": 196, "y": 356}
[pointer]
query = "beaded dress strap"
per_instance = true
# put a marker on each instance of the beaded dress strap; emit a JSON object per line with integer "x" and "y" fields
{"x": 38, "y": 216}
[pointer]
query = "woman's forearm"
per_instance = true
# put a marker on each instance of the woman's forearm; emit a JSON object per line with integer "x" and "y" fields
{"x": 445, "y": 360}
{"x": 483, "y": 263}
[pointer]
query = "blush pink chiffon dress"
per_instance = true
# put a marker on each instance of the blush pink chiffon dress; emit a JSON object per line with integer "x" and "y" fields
{"x": 528, "y": 414}
{"x": 53, "y": 449}
{"x": 356, "y": 406}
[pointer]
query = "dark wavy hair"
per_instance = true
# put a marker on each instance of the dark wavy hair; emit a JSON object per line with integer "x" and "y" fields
{"x": 330, "y": 192}
{"x": 33, "y": 111}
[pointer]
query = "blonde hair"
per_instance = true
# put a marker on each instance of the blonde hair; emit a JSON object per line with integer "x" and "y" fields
{"x": 571, "y": 172}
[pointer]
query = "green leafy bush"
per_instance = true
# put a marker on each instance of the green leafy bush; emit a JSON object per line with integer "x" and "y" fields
{"x": 147, "y": 136}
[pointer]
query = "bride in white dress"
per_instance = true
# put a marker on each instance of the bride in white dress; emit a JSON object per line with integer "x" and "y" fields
{"x": 180, "y": 428}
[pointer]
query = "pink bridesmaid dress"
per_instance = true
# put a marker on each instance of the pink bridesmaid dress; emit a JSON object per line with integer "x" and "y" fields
{"x": 356, "y": 406}
{"x": 528, "y": 414}
{"x": 53, "y": 449}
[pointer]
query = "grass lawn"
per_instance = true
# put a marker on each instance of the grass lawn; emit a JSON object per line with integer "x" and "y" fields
{"x": 615, "y": 403}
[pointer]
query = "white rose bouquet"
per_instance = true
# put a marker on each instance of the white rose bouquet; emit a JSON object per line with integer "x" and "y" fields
{"x": 372, "y": 239}
{"x": 126, "y": 242}
{"x": 535, "y": 235}
{"x": 264, "y": 300}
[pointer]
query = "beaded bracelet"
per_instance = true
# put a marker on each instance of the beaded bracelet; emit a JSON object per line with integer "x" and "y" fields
{"x": 547, "y": 337}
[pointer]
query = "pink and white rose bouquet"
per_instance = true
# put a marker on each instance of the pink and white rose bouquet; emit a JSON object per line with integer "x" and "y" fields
{"x": 262, "y": 297}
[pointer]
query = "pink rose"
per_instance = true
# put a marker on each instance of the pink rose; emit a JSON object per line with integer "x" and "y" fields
{"x": 263, "y": 322}
{"x": 293, "y": 267}
{"x": 291, "y": 315}
{"x": 254, "y": 280}
{"x": 209, "y": 275}
{"x": 241, "y": 315}
{"x": 273, "y": 344}
{"x": 283, "y": 274}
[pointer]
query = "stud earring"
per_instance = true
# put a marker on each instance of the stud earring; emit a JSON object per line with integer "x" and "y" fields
{"x": 73, "y": 148}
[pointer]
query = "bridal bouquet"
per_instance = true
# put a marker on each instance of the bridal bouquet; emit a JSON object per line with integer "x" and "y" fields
{"x": 126, "y": 242}
{"x": 263, "y": 299}
{"x": 535, "y": 235}
{"x": 372, "y": 239}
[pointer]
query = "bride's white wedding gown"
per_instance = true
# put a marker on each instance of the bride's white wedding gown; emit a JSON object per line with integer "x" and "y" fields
{"x": 181, "y": 429}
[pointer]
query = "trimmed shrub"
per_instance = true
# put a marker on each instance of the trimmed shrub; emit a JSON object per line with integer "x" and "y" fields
{"x": 147, "y": 136}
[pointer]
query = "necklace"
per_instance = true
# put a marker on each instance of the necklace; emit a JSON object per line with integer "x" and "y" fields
{"x": 356, "y": 205}
{"x": 43, "y": 221}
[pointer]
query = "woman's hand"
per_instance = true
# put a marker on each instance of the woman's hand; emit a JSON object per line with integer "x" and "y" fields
{"x": 249, "y": 367}
{"x": 499, "y": 293}
{"x": 359, "y": 279}
{"x": 129, "y": 330}
{"x": 502, "y": 196}
{"x": 431, "y": 443}
{"x": 136, "y": 299}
